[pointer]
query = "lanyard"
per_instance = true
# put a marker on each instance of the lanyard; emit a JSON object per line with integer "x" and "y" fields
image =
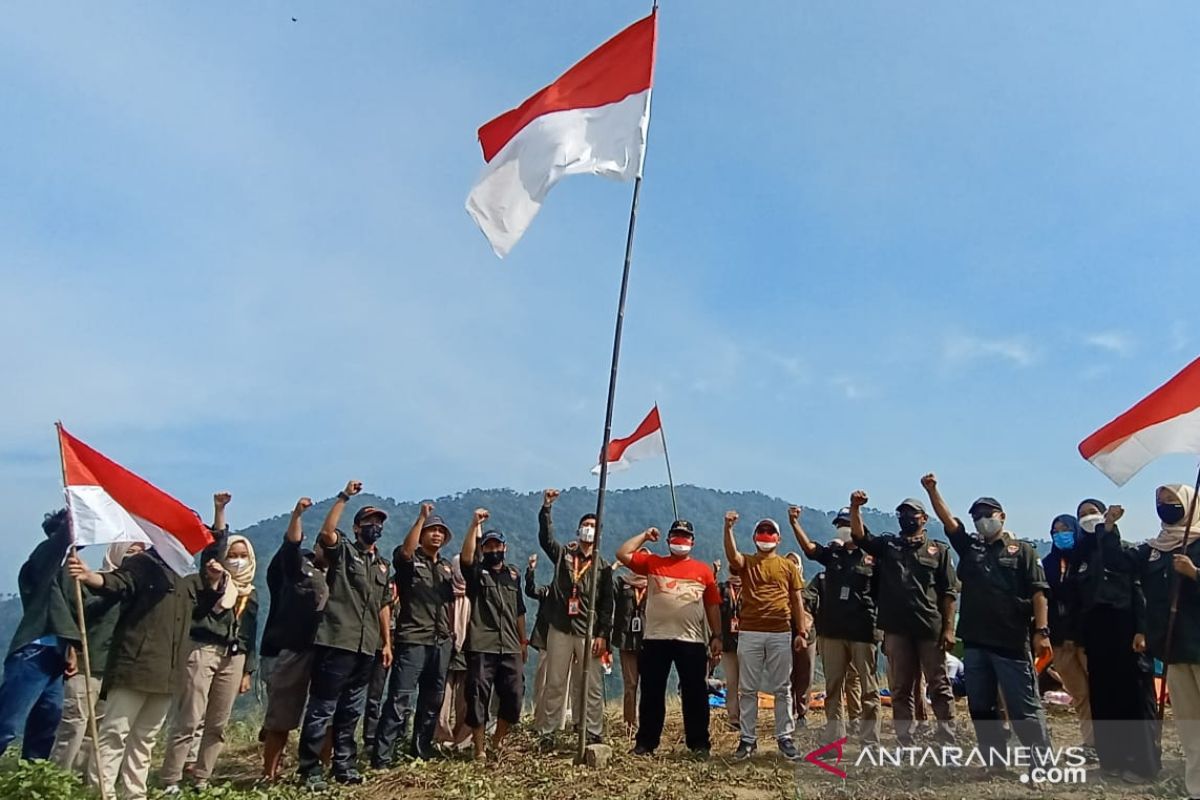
{"x": 638, "y": 594}
{"x": 734, "y": 594}
{"x": 576, "y": 572}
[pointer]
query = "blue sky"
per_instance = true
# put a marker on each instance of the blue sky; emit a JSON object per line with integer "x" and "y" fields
{"x": 875, "y": 240}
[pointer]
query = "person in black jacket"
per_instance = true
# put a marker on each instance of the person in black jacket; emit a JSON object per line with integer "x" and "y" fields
{"x": 629, "y": 621}
{"x": 1070, "y": 545}
{"x": 41, "y": 651}
{"x": 219, "y": 665}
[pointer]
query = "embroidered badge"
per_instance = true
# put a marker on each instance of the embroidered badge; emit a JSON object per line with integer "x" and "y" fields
{"x": 1083, "y": 567}
{"x": 869, "y": 560}
{"x": 1154, "y": 556}
{"x": 932, "y": 550}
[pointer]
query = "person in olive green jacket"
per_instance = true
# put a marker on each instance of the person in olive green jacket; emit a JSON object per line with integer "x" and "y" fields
{"x": 146, "y": 657}
{"x": 40, "y": 654}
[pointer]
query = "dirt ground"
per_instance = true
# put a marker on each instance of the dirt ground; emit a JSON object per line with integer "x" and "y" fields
{"x": 672, "y": 774}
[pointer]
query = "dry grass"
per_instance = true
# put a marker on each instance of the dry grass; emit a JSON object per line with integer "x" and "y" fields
{"x": 524, "y": 772}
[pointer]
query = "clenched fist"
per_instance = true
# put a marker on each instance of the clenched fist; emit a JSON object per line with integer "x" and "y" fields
{"x": 303, "y": 504}
{"x": 794, "y": 514}
{"x": 929, "y": 482}
{"x": 426, "y": 510}
{"x": 651, "y": 534}
{"x": 731, "y": 517}
{"x": 481, "y": 515}
{"x": 221, "y": 499}
{"x": 353, "y": 488}
{"x": 858, "y": 499}
{"x": 549, "y": 496}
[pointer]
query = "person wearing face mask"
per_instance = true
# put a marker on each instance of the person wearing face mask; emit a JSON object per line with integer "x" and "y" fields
{"x": 917, "y": 591}
{"x": 773, "y": 625}
{"x": 1003, "y": 592}
{"x": 629, "y": 622}
{"x": 1070, "y": 545}
{"x": 846, "y": 624}
{"x": 804, "y": 659}
{"x": 682, "y": 612}
{"x": 421, "y": 654}
{"x": 1162, "y": 561}
{"x": 218, "y": 667}
{"x": 496, "y": 645}
{"x": 537, "y": 641}
{"x": 577, "y": 566}
{"x": 1107, "y": 582}
{"x": 354, "y": 625}
{"x": 731, "y": 612}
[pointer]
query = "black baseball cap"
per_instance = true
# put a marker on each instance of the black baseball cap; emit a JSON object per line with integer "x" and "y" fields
{"x": 493, "y": 535}
{"x": 843, "y": 514}
{"x": 434, "y": 521}
{"x": 682, "y": 526}
{"x": 913, "y": 503}
{"x": 985, "y": 503}
{"x": 370, "y": 511}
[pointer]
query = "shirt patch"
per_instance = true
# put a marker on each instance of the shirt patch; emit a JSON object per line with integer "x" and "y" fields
{"x": 932, "y": 550}
{"x": 1083, "y": 567}
{"x": 1155, "y": 555}
{"x": 869, "y": 560}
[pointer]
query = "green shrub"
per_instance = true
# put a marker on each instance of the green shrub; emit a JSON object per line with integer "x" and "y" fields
{"x": 41, "y": 780}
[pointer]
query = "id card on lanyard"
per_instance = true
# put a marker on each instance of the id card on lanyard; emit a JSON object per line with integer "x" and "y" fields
{"x": 574, "y": 603}
{"x": 635, "y": 622}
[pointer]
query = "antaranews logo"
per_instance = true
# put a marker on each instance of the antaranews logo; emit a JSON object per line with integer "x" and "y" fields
{"x": 1041, "y": 766}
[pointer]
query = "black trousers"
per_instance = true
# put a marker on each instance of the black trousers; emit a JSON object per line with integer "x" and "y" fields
{"x": 690, "y": 660}
{"x": 336, "y": 698}
{"x": 1121, "y": 690}
{"x": 494, "y": 675}
{"x": 376, "y": 689}
{"x": 417, "y": 684}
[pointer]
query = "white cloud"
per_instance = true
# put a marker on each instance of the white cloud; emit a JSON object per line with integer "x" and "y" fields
{"x": 1114, "y": 342}
{"x": 962, "y": 349}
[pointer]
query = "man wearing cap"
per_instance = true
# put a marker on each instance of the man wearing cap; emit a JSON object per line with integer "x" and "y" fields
{"x": 576, "y": 566}
{"x": 917, "y": 592}
{"x": 423, "y": 643}
{"x": 772, "y": 608}
{"x": 355, "y": 623}
{"x": 847, "y": 623}
{"x": 682, "y": 612}
{"x": 496, "y": 645}
{"x": 1003, "y": 596}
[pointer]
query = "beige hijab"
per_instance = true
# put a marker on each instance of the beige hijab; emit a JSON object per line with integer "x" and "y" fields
{"x": 241, "y": 582}
{"x": 1170, "y": 538}
{"x": 115, "y": 555}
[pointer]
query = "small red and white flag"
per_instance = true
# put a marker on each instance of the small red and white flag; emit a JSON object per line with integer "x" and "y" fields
{"x": 592, "y": 120}
{"x": 108, "y": 503}
{"x": 646, "y": 442}
{"x": 1166, "y": 421}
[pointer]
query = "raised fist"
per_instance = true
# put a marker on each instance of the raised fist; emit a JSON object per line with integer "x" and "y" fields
{"x": 213, "y": 569}
{"x": 549, "y": 496}
{"x": 1113, "y": 514}
{"x": 651, "y": 534}
{"x": 221, "y": 499}
{"x": 929, "y": 481}
{"x": 730, "y": 518}
{"x": 794, "y": 513}
{"x": 481, "y": 515}
{"x": 353, "y": 488}
{"x": 858, "y": 499}
{"x": 303, "y": 504}
{"x": 533, "y": 561}
{"x": 426, "y": 510}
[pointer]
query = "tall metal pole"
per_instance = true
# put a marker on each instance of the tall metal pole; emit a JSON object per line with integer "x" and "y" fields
{"x": 1176, "y": 585}
{"x": 667, "y": 455}
{"x": 83, "y": 639}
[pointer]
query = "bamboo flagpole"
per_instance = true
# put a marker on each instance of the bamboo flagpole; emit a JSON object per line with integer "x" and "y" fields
{"x": 662, "y": 431}
{"x": 83, "y": 637}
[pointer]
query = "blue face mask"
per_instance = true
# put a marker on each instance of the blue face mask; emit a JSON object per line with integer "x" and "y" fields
{"x": 1063, "y": 540}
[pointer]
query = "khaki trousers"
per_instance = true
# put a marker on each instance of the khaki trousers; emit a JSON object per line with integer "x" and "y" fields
{"x": 69, "y": 753}
{"x": 629, "y": 681}
{"x": 131, "y": 723}
{"x": 1183, "y": 682}
{"x": 539, "y": 689}
{"x": 854, "y": 708}
{"x": 840, "y": 657}
{"x": 729, "y": 665}
{"x": 565, "y": 655}
{"x": 211, "y": 681}
{"x": 1070, "y": 661}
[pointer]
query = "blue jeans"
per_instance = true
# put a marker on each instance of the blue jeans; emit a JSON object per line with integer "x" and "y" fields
{"x": 336, "y": 697}
{"x": 990, "y": 675}
{"x": 31, "y": 698}
{"x": 418, "y": 668}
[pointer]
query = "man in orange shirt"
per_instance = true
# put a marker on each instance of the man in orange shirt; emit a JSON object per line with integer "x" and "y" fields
{"x": 771, "y": 608}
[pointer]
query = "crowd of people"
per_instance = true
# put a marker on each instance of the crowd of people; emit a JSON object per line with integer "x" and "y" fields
{"x": 427, "y": 651}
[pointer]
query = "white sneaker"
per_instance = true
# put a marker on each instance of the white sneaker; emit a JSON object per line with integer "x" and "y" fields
{"x": 171, "y": 789}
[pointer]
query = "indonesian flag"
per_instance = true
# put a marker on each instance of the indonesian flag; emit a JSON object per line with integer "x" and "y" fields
{"x": 108, "y": 503}
{"x": 1167, "y": 421}
{"x": 645, "y": 442}
{"x": 592, "y": 120}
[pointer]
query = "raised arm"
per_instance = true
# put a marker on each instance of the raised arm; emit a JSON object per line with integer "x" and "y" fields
{"x": 329, "y": 536}
{"x": 949, "y": 522}
{"x": 630, "y": 546}
{"x": 467, "y": 556}
{"x": 409, "y": 548}
{"x": 531, "y": 578}
{"x": 736, "y": 562}
{"x": 220, "y": 500}
{"x": 858, "y": 532}
{"x": 805, "y": 543}
{"x": 295, "y": 529}
{"x": 546, "y": 525}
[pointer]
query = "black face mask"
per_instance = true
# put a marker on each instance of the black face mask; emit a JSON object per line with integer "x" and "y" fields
{"x": 909, "y": 524}
{"x": 1170, "y": 513}
{"x": 369, "y": 533}
{"x": 493, "y": 559}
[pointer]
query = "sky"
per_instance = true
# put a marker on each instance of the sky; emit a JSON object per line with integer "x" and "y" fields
{"x": 874, "y": 240}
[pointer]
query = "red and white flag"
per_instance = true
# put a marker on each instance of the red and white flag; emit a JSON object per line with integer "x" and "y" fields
{"x": 108, "y": 503}
{"x": 645, "y": 442}
{"x": 592, "y": 120}
{"x": 1167, "y": 421}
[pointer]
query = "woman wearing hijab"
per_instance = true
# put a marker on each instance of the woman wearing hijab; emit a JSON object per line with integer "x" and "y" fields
{"x": 1164, "y": 560}
{"x": 452, "y": 720}
{"x": 629, "y": 618}
{"x": 1061, "y": 565}
{"x": 1108, "y": 580}
{"x": 217, "y": 669}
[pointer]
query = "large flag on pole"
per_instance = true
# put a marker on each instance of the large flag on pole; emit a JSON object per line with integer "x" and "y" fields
{"x": 108, "y": 503}
{"x": 592, "y": 120}
{"x": 1166, "y": 421}
{"x": 645, "y": 442}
